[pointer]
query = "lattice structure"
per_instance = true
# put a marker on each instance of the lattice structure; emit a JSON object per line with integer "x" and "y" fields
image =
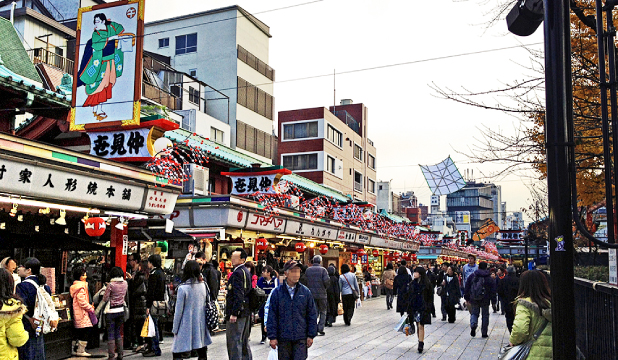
{"x": 443, "y": 178}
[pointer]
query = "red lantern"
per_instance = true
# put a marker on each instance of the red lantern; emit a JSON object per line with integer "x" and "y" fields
{"x": 414, "y": 257}
{"x": 95, "y": 226}
{"x": 261, "y": 244}
{"x": 323, "y": 249}
{"x": 300, "y": 247}
{"x": 376, "y": 253}
{"x": 361, "y": 252}
{"x": 406, "y": 256}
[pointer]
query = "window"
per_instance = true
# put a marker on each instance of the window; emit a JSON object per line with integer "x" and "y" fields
{"x": 186, "y": 44}
{"x": 371, "y": 161}
{"x": 301, "y": 162}
{"x": 193, "y": 73}
{"x": 334, "y": 136}
{"x": 254, "y": 99}
{"x": 301, "y": 130}
{"x": 358, "y": 181}
{"x": 380, "y": 188}
{"x": 371, "y": 186}
{"x": 194, "y": 95}
{"x": 358, "y": 152}
{"x": 163, "y": 43}
{"x": 216, "y": 135}
{"x": 330, "y": 164}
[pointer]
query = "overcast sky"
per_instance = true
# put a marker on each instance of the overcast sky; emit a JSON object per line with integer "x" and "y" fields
{"x": 408, "y": 123}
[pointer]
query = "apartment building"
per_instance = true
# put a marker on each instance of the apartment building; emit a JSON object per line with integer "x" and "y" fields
{"x": 330, "y": 147}
{"x": 227, "y": 48}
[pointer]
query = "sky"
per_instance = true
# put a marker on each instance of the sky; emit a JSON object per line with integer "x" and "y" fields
{"x": 433, "y": 41}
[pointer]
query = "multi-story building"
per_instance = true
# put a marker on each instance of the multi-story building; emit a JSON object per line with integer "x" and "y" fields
{"x": 478, "y": 199}
{"x": 227, "y": 48}
{"x": 330, "y": 147}
{"x": 398, "y": 205}
{"x": 408, "y": 199}
{"x": 384, "y": 199}
{"x": 514, "y": 221}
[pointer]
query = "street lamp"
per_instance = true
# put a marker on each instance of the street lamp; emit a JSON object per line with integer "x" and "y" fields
{"x": 525, "y": 17}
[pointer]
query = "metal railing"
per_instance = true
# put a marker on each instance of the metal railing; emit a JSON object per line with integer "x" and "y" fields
{"x": 596, "y": 320}
{"x": 348, "y": 119}
{"x": 40, "y": 55}
{"x": 358, "y": 186}
{"x": 164, "y": 98}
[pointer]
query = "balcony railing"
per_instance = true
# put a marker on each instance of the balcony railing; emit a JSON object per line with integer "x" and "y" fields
{"x": 358, "y": 187}
{"x": 348, "y": 119}
{"x": 45, "y": 56}
{"x": 164, "y": 98}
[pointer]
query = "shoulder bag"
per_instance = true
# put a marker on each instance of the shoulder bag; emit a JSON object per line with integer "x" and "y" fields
{"x": 521, "y": 351}
{"x": 354, "y": 291}
{"x": 212, "y": 315}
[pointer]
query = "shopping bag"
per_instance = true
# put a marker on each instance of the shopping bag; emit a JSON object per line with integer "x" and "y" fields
{"x": 144, "y": 332}
{"x": 273, "y": 354}
{"x": 359, "y": 303}
{"x": 151, "y": 328}
{"x": 340, "y": 309}
{"x": 93, "y": 318}
{"x": 401, "y": 324}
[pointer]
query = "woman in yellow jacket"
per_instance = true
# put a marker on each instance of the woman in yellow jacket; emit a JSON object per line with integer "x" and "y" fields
{"x": 12, "y": 333}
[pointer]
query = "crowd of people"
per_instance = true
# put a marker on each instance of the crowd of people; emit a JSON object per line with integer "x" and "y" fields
{"x": 293, "y": 308}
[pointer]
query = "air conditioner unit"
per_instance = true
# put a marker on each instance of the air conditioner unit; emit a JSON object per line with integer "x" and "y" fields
{"x": 196, "y": 182}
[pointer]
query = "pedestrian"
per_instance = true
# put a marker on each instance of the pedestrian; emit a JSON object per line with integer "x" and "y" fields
{"x": 348, "y": 283}
{"x": 251, "y": 267}
{"x": 189, "y": 329}
{"x": 450, "y": 293}
{"x": 137, "y": 305}
{"x": 366, "y": 282}
{"x": 509, "y": 287}
{"x": 303, "y": 274}
{"x": 208, "y": 272}
{"x": 267, "y": 282}
{"x": 440, "y": 281}
{"x": 433, "y": 281}
{"x": 388, "y": 279}
{"x": 130, "y": 333}
{"x": 10, "y": 265}
{"x": 333, "y": 295}
{"x": 400, "y": 287}
{"x": 533, "y": 313}
{"x": 468, "y": 270}
{"x": 155, "y": 294}
{"x": 292, "y": 316}
{"x": 13, "y": 334}
{"x": 479, "y": 290}
{"x": 82, "y": 310}
{"x": 404, "y": 264}
{"x": 116, "y": 294}
{"x": 419, "y": 298}
{"x": 500, "y": 276}
{"x": 237, "y": 313}
{"x": 495, "y": 305}
{"x": 318, "y": 281}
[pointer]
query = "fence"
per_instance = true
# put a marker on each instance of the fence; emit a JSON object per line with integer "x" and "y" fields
{"x": 596, "y": 319}
{"x": 41, "y": 55}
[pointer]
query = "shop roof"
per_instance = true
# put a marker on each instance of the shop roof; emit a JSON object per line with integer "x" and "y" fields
{"x": 19, "y": 82}
{"x": 14, "y": 54}
{"x": 393, "y": 217}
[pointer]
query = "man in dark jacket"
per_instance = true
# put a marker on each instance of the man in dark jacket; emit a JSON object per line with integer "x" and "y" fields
{"x": 479, "y": 290}
{"x": 292, "y": 316}
{"x": 155, "y": 293}
{"x": 137, "y": 303}
{"x": 318, "y": 281}
{"x": 209, "y": 273}
{"x": 237, "y": 312}
{"x": 508, "y": 288}
{"x": 439, "y": 282}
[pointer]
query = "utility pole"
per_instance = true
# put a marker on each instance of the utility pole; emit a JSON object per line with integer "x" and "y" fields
{"x": 558, "y": 117}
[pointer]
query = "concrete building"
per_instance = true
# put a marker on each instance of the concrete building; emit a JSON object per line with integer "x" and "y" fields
{"x": 480, "y": 199}
{"x": 384, "y": 197}
{"x": 227, "y": 48}
{"x": 330, "y": 147}
{"x": 514, "y": 221}
{"x": 398, "y": 205}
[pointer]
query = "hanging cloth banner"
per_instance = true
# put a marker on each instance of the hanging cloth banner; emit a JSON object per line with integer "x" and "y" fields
{"x": 251, "y": 182}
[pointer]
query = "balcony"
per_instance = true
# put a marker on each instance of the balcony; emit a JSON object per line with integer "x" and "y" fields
{"x": 348, "y": 119}
{"x": 358, "y": 187}
{"x": 45, "y": 56}
{"x": 160, "y": 96}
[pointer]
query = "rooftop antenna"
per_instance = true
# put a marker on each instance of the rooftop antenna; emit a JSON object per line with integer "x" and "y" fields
{"x": 334, "y": 92}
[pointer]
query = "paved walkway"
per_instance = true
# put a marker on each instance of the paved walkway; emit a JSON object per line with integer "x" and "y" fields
{"x": 371, "y": 336}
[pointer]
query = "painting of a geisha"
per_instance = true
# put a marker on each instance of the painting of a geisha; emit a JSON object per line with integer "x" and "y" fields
{"x": 109, "y": 63}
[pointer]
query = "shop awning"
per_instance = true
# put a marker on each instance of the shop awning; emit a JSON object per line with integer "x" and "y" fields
{"x": 427, "y": 257}
{"x": 64, "y": 242}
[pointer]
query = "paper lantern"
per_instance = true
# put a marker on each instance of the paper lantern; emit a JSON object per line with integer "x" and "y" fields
{"x": 375, "y": 253}
{"x": 323, "y": 249}
{"x": 361, "y": 252}
{"x": 95, "y": 226}
{"x": 300, "y": 247}
{"x": 414, "y": 257}
{"x": 163, "y": 245}
{"x": 261, "y": 244}
{"x": 406, "y": 256}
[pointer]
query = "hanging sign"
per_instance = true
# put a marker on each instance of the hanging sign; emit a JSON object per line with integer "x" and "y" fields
{"x": 354, "y": 258}
{"x": 347, "y": 236}
{"x": 363, "y": 239}
{"x": 250, "y": 182}
{"x": 160, "y": 201}
{"x": 265, "y": 223}
{"x": 129, "y": 145}
{"x": 310, "y": 230}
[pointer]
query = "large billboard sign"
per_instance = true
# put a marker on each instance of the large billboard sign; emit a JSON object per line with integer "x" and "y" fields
{"x": 108, "y": 71}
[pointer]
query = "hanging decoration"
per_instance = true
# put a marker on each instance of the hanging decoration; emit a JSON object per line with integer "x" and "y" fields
{"x": 323, "y": 249}
{"x": 95, "y": 226}
{"x": 261, "y": 244}
{"x": 300, "y": 247}
{"x": 375, "y": 253}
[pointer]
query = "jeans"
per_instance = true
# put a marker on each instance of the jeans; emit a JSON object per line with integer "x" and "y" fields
{"x": 292, "y": 350}
{"x": 322, "y": 306}
{"x": 475, "y": 311}
{"x": 33, "y": 349}
{"x": 237, "y": 337}
{"x": 349, "y": 303}
{"x": 443, "y": 305}
{"x": 389, "y": 298}
{"x": 154, "y": 341}
{"x": 114, "y": 324}
{"x": 509, "y": 315}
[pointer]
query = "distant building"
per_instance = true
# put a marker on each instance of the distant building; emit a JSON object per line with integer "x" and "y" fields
{"x": 398, "y": 206}
{"x": 330, "y": 147}
{"x": 515, "y": 221}
{"x": 482, "y": 200}
{"x": 384, "y": 197}
{"x": 408, "y": 199}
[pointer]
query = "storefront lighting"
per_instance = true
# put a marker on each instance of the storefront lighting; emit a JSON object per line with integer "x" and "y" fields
{"x": 44, "y": 211}
{"x": 126, "y": 215}
{"x": 3, "y": 226}
{"x": 13, "y": 210}
{"x": 311, "y": 245}
{"x": 61, "y": 220}
{"x": 121, "y": 223}
{"x": 41, "y": 204}
{"x": 20, "y": 217}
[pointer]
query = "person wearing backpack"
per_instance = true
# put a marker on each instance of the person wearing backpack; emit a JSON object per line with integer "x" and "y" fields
{"x": 400, "y": 287}
{"x": 237, "y": 310}
{"x": 388, "y": 279}
{"x": 34, "y": 349}
{"x": 11, "y": 313}
{"x": 116, "y": 295}
{"x": 82, "y": 310}
{"x": 479, "y": 290}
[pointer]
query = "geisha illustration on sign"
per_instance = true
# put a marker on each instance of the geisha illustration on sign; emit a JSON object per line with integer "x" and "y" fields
{"x": 109, "y": 50}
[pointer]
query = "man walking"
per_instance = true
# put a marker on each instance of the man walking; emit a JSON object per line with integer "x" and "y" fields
{"x": 155, "y": 293}
{"x": 318, "y": 281}
{"x": 237, "y": 312}
{"x": 480, "y": 289}
{"x": 509, "y": 287}
{"x": 439, "y": 281}
{"x": 468, "y": 270}
{"x": 292, "y": 316}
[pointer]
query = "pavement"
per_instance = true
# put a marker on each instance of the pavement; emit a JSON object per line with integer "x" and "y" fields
{"x": 371, "y": 336}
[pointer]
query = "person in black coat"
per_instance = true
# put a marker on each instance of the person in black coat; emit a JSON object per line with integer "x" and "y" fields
{"x": 333, "y": 294}
{"x": 155, "y": 292}
{"x": 137, "y": 304}
{"x": 209, "y": 273}
{"x": 509, "y": 287}
{"x": 400, "y": 288}
{"x": 237, "y": 313}
{"x": 451, "y": 293}
{"x": 419, "y": 303}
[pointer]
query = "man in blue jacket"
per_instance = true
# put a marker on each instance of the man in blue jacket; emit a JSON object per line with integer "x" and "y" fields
{"x": 292, "y": 316}
{"x": 480, "y": 289}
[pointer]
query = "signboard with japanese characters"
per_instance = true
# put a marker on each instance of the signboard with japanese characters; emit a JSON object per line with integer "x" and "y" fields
{"x": 363, "y": 239}
{"x": 206, "y": 217}
{"x": 310, "y": 230}
{"x": 354, "y": 258}
{"x": 179, "y": 217}
{"x": 262, "y": 222}
{"x": 131, "y": 145}
{"x": 408, "y": 245}
{"x": 246, "y": 185}
{"x": 613, "y": 267}
{"x": 48, "y": 183}
{"x": 462, "y": 217}
{"x": 108, "y": 69}
{"x": 511, "y": 235}
{"x": 160, "y": 201}
{"x": 385, "y": 242}
{"x": 346, "y": 236}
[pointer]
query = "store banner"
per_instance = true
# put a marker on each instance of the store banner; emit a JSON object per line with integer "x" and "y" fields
{"x": 124, "y": 145}
{"x": 346, "y": 236}
{"x": 247, "y": 185}
{"x": 160, "y": 201}
{"x": 265, "y": 223}
{"x": 363, "y": 239}
{"x": 310, "y": 230}
{"x": 379, "y": 241}
{"x": 179, "y": 217}
{"x": 411, "y": 246}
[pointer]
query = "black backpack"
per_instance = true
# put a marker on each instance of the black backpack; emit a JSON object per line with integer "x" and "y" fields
{"x": 257, "y": 296}
{"x": 477, "y": 291}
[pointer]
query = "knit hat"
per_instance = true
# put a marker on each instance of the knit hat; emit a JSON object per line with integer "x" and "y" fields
{"x": 317, "y": 259}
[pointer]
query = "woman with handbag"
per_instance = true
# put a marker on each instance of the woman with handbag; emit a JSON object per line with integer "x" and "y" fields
{"x": 116, "y": 296}
{"x": 419, "y": 300}
{"x": 400, "y": 287}
{"x": 333, "y": 296}
{"x": 190, "y": 329}
{"x": 532, "y": 326}
{"x": 388, "y": 279}
{"x": 451, "y": 292}
{"x": 83, "y": 312}
{"x": 349, "y": 293}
